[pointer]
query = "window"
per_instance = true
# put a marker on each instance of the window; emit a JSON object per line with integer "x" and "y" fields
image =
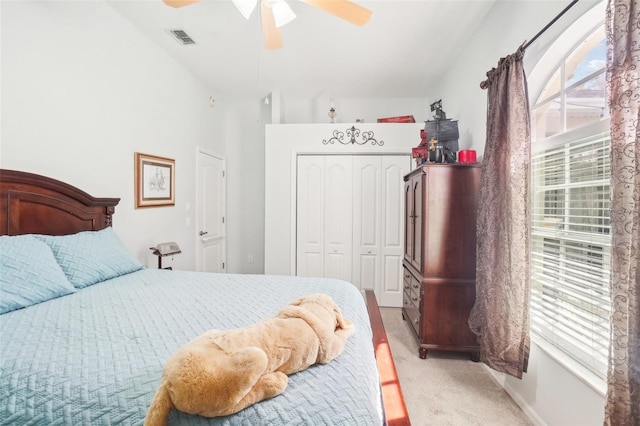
{"x": 575, "y": 94}
{"x": 570, "y": 240}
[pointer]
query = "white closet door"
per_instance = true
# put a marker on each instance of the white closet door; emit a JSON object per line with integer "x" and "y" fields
{"x": 324, "y": 216}
{"x": 367, "y": 224}
{"x": 338, "y": 217}
{"x": 393, "y": 169}
{"x": 338, "y": 213}
{"x": 310, "y": 216}
{"x": 378, "y": 225}
{"x": 350, "y": 222}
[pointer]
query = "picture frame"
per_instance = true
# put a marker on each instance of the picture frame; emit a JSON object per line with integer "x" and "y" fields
{"x": 154, "y": 181}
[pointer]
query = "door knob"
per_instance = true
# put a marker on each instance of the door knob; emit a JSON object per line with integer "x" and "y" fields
{"x": 203, "y": 233}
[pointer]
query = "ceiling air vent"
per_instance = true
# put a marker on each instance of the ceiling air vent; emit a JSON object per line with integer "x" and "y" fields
{"x": 182, "y": 37}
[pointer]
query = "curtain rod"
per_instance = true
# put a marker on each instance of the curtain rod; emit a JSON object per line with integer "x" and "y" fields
{"x": 485, "y": 83}
{"x": 553, "y": 21}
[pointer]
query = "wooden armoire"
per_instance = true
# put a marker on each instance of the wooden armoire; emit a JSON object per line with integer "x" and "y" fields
{"x": 439, "y": 265}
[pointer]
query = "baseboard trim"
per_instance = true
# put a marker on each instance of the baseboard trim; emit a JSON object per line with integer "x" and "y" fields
{"x": 524, "y": 406}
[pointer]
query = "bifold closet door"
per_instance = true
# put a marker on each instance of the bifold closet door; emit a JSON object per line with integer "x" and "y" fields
{"x": 378, "y": 225}
{"x": 349, "y": 220}
{"x": 324, "y": 216}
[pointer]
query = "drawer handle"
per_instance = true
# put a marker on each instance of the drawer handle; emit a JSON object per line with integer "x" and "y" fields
{"x": 416, "y": 286}
{"x": 415, "y": 299}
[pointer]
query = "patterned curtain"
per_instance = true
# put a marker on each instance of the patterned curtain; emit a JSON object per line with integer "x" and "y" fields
{"x": 623, "y": 85}
{"x": 500, "y": 316}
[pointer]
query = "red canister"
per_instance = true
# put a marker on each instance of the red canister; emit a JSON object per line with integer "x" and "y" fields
{"x": 467, "y": 156}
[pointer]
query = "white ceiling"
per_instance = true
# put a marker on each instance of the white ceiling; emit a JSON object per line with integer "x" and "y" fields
{"x": 399, "y": 53}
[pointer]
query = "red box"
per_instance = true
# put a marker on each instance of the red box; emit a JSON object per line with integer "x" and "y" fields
{"x": 467, "y": 156}
{"x": 399, "y": 119}
{"x": 420, "y": 152}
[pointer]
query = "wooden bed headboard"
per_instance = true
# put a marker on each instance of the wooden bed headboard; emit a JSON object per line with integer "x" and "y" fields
{"x": 35, "y": 204}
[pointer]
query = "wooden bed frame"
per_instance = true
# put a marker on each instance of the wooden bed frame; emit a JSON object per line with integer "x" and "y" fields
{"x": 35, "y": 204}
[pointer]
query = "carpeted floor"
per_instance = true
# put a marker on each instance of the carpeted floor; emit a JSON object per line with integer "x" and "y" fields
{"x": 447, "y": 388}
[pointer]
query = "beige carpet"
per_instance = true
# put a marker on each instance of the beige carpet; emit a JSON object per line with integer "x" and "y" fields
{"x": 446, "y": 388}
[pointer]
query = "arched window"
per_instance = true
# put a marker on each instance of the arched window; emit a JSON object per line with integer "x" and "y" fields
{"x": 575, "y": 94}
{"x": 570, "y": 241}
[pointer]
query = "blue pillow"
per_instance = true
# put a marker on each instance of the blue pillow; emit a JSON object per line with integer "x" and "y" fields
{"x": 90, "y": 257}
{"x": 29, "y": 273}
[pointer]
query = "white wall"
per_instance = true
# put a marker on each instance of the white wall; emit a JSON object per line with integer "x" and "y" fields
{"x": 245, "y": 185}
{"x": 507, "y": 26}
{"x": 548, "y": 393}
{"x": 349, "y": 110}
{"x": 82, "y": 90}
{"x": 80, "y": 83}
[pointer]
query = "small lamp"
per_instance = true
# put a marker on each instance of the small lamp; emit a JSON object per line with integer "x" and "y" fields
{"x": 165, "y": 249}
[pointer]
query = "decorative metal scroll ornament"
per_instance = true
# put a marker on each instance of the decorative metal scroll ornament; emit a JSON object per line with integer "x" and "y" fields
{"x": 353, "y": 134}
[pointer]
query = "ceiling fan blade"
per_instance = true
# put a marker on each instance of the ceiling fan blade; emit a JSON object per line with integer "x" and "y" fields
{"x": 282, "y": 13}
{"x": 179, "y": 3}
{"x": 245, "y": 7}
{"x": 272, "y": 36}
{"x": 344, "y": 9}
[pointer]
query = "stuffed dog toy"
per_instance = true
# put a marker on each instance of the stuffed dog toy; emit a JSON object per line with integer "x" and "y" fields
{"x": 222, "y": 372}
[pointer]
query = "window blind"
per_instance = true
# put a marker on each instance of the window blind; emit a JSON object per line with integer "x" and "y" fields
{"x": 570, "y": 248}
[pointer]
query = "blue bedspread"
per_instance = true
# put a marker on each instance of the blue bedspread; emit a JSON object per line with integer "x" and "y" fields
{"x": 95, "y": 357}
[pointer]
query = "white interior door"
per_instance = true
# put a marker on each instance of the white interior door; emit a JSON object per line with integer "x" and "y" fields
{"x": 378, "y": 225}
{"x": 350, "y": 221}
{"x": 338, "y": 217}
{"x": 210, "y": 213}
{"x": 324, "y": 210}
{"x": 367, "y": 223}
{"x": 393, "y": 169}
{"x": 310, "y": 216}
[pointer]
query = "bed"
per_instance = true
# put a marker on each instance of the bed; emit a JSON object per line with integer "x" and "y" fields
{"x": 85, "y": 329}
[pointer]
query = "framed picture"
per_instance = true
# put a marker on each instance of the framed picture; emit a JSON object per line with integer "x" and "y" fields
{"x": 155, "y": 179}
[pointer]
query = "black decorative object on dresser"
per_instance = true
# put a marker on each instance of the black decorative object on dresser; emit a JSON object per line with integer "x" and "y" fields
{"x": 439, "y": 263}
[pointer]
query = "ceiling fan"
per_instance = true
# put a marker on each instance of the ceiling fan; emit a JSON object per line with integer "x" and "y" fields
{"x": 276, "y": 13}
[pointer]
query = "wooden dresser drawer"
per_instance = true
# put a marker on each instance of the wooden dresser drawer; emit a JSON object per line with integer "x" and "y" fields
{"x": 406, "y": 284}
{"x": 415, "y": 292}
{"x": 411, "y": 300}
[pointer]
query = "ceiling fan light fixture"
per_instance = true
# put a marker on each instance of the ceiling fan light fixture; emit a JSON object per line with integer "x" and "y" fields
{"x": 245, "y": 7}
{"x": 179, "y": 3}
{"x": 276, "y": 13}
{"x": 282, "y": 13}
